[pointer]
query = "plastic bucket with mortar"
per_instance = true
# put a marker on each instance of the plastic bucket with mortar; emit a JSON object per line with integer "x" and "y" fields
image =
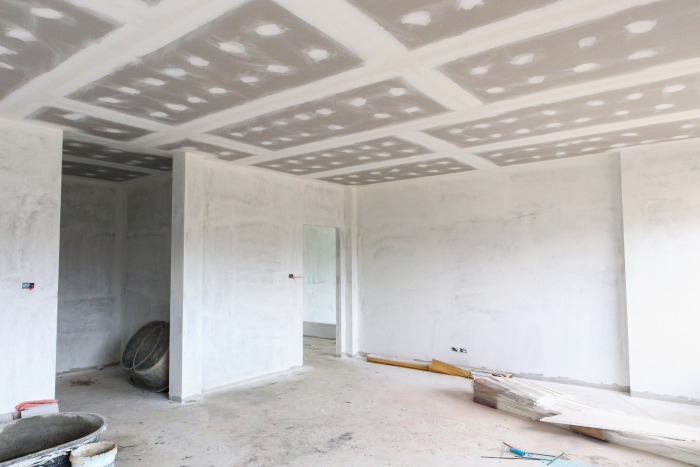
{"x": 100, "y": 454}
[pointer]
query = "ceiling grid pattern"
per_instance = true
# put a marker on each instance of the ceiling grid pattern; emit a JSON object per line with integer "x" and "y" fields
{"x": 344, "y": 90}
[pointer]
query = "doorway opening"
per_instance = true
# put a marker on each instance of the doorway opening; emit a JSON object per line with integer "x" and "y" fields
{"x": 321, "y": 283}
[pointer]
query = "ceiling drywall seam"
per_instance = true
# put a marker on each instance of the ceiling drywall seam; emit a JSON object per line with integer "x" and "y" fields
{"x": 573, "y": 13}
{"x": 591, "y": 130}
{"x": 133, "y": 168}
{"x": 137, "y": 37}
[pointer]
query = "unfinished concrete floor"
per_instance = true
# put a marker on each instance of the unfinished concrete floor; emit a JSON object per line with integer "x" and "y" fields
{"x": 340, "y": 412}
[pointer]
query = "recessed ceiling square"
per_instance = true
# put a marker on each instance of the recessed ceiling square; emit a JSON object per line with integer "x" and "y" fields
{"x": 37, "y": 35}
{"x": 367, "y": 152}
{"x": 594, "y": 144}
{"x": 361, "y": 109}
{"x": 253, "y": 51}
{"x": 632, "y": 40}
{"x": 419, "y": 22}
{"x": 643, "y": 101}
{"x": 219, "y": 151}
{"x": 89, "y": 124}
{"x": 442, "y": 166}
{"x": 103, "y": 153}
{"x": 98, "y": 172}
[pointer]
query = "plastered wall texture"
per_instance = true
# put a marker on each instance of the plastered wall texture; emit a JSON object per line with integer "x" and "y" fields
{"x": 147, "y": 254}
{"x": 523, "y": 267}
{"x": 90, "y": 276}
{"x": 320, "y": 273}
{"x": 661, "y": 196}
{"x": 30, "y": 197}
{"x": 252, "y": 312}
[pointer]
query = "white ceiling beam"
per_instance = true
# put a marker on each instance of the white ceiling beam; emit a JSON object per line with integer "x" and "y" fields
{"x": 133, "y": 168}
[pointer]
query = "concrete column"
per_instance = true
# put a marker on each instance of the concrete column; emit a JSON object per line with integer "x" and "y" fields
{"x": 347, "y": 322}
{"x": 186, "y": 277}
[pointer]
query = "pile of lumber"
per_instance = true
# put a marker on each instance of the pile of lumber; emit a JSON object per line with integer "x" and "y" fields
{"x": 672, "y": 440}
{"x": 435, "y": 366}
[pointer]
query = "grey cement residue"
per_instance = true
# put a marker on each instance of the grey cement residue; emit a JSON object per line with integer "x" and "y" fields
{"x": 419, "y": 22}
{"x": 89, "y": 124}
{"x": 147, "y": 254}
{"x": 373, "y": 106}
{"x": 598, "y": 143}
{"x": 255, "y": 50}
{"x": 222, "y": 153}
{"x": 643, "y": 101}
{"x": 429, "y": 168}
{"x": 632, "y": 40}
{"x": 365, "y": 152}
{"x": 100, "y": 152}
{"x": 37, "y": 35}
{"x": 99, "y": 172}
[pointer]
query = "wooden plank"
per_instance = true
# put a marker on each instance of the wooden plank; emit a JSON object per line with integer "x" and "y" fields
{"x": 588, "y": 431}
{"x": 436, "y": 366}
{"x": 405, "y": 363}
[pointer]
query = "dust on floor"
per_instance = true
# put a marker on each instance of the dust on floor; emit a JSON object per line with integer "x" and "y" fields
{"x": 336, "y": 412}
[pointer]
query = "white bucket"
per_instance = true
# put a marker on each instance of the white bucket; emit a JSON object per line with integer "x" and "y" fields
{"x": 100, "y": 454}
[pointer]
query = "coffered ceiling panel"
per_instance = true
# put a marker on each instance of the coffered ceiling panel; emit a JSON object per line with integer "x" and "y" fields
{"x": 254, "y": 50}
{"x": 221, "y": 152}
{"x": 593, "y": 144}
{"x": 99, "y": 152}
{"x": 373, "y": 106}
{"x": 419, "y": 22}
{"x": 99, "y": 172}
{"x": 429, "y": 168}
{"x": 37, "y": 35}
{"x": 647, "y": 100}
{"x": 632, "y": 40}
{"x": 89, "y": 124}
{"x": 346, "y": 156}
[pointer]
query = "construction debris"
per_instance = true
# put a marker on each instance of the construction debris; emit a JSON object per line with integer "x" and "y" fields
{"x": 436, "y": 366}
{"x": 374, "y": 358}
{"x": 672, "y": 440}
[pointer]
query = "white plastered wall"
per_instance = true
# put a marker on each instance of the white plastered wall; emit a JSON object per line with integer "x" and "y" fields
{"x": 30, "y": 202}
{"x": 237, "y": 235}
{"x": 522, "y": 266}
{"x": 661, "y": 194}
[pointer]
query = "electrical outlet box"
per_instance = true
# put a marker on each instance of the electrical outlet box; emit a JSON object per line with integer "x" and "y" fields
{"x": 454, "y": 349}
{"x": 461, "y": 350}
{"x": 28, "y": 285}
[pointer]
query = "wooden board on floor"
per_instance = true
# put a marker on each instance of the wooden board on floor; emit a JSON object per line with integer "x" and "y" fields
{"x": 436, "y": 366}
{"x": 588, "y": 431}
{"x": 402, "y": 362}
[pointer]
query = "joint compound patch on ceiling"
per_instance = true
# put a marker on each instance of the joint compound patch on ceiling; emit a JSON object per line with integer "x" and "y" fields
{"x": 366, "y": 152}
{"x": 632, "y": 40}
{"x": 420, "y": 22}
{"x": 89, "y": 124}
{"x": 98, "y": 172}
{"x": 37, "y": 35}
{"x": 222, "y": 153}
{"x": 596, "y": 143}
{"x": 253, "y": 51}
{"x": 99, "y": 152}
{"x": 442, "y": 166}
{"x": 643, "y": 101}
{"x": 361, "y": 109}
